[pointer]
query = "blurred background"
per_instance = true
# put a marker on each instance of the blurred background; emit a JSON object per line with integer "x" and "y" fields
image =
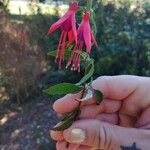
{"x": 26, "y": 115}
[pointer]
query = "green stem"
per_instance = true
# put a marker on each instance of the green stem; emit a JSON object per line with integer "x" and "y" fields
{"x": 94, "y": 24}
{"x": 89, "y": 4}
{"x": 89, "y": 7}
{"x": 78, "y": 107}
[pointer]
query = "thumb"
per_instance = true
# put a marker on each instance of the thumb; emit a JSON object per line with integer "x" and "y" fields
{"x": 101, "y": 135}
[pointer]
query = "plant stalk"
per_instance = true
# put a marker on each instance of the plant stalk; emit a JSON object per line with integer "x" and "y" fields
{"x": 89, "y": 4}
{"x": 89, "y": 7}
{"x": 78, "y": 107}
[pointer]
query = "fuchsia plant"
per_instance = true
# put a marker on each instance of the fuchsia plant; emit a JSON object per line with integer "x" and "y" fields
{"x": 71, "y": 48}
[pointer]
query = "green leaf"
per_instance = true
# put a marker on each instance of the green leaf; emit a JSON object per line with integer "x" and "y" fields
{"x": 75, "y": 113}
{"x": 63, "y": 88}
{"x": 88, "y": 74}
{"x": 52, "y": 53}
{"x": 67, "y": 115}
{"x": 67, "y": 54}
{"x": 98, "y": 95}
{"x": 84, "y": 55}
{"x": 65, "y": 125}
{"x": 68, "y": 119}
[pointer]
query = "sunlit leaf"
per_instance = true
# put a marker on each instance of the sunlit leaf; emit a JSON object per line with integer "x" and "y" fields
{"x": 63, "y": 88}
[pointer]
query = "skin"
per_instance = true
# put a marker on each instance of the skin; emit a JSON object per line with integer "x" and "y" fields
{"x": 123, "y": 117}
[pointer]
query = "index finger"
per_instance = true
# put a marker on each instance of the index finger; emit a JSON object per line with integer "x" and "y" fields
{"x": 112, "y": 87}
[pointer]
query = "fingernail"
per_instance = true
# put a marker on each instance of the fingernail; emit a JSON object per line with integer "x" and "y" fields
{"x": 77, "y": 135}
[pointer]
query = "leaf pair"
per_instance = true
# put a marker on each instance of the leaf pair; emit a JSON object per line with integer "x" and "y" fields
{"x": 63, "y": 88}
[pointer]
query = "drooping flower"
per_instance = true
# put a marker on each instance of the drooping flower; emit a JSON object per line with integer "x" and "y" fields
{"x": 67, "y": 24}
{"x": 85, "y": 37}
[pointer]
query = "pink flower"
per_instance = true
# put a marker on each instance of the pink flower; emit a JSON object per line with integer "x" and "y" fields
{"x": 85, "y": 37}
{"x": 67, "y": 24}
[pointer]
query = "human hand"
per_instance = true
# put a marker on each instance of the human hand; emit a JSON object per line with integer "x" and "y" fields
{"x": 119, "y": 121}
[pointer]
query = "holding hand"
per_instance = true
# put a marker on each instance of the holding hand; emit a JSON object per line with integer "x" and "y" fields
{"x": 120, "y": 122}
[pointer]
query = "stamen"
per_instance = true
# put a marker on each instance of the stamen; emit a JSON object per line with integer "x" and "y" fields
{"x": 59, "y": 46}
{"x": 61, "y": 54}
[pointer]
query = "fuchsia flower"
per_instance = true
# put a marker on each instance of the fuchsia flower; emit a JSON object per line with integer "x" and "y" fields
{"x": 67, "y": 24}
{"x": 85, "y": 36}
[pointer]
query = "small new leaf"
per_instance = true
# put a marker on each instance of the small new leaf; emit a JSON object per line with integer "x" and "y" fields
{"x": 99, "y": 96}
{"x": 62, "y": 88}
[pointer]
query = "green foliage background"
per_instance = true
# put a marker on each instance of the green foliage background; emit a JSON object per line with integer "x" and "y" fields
{"x": 123, "y": 36}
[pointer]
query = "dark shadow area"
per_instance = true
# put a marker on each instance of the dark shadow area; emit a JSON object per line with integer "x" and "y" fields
{"x": 27, "y": 127}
